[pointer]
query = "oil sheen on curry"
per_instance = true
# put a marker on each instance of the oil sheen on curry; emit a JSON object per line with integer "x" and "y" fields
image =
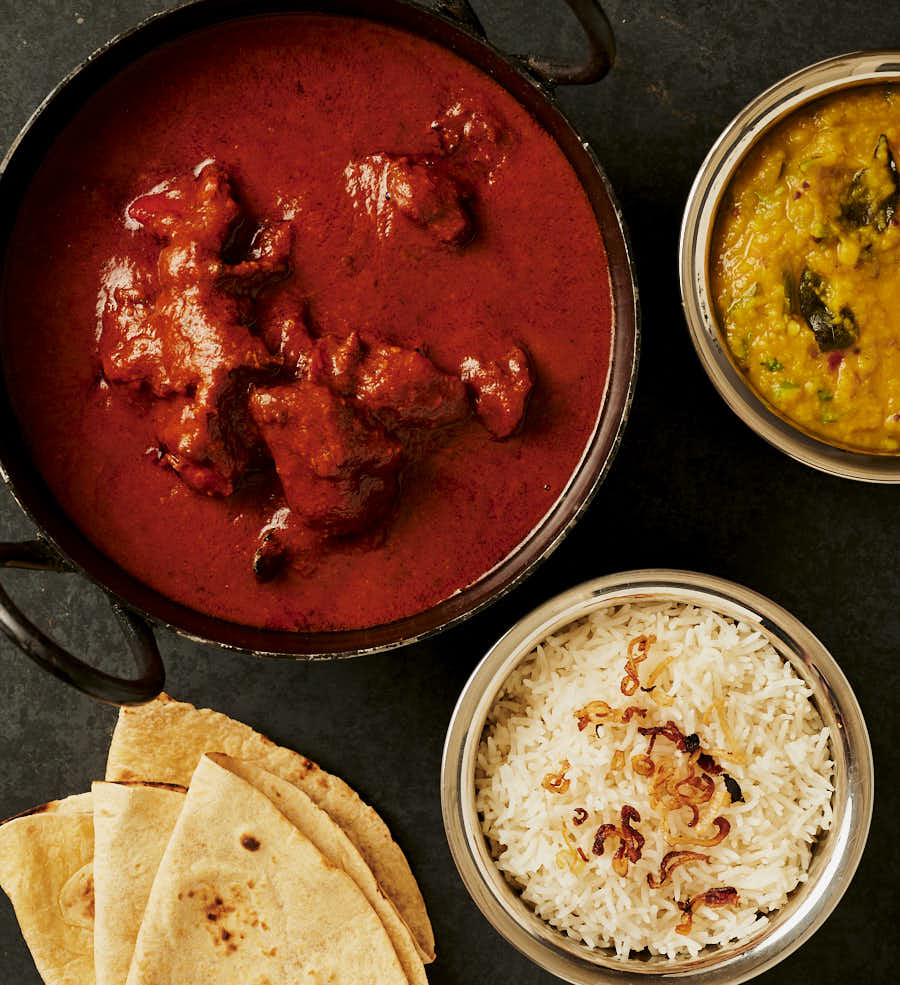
{"x": 805, "y": 269}
{"x": 307, "y": 322}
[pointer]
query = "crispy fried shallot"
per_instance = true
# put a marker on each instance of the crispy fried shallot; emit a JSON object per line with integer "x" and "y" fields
{"x": 619, "y": 865}
{"x": 631, "y": 711}
{"x": 668, "y": 776}
{"x": 733, "y": 788}
{"x": 731, "y": 745}
{"x": 723, "y": 896}
{"x": 580, "y": 816}
{"x": 657, "y": 670}
{"x": 631, "y": 841}
{"x": 661, "y": 698}
{"x": 671, "y": 791}
{"x": 618, "y": 760}
{"x": 635, "y": 839}
{"x": 599, "y": 712}
{"x": 708, "y": 764}
{"x": 720, "y": 799}
{"x": 557, "y": 782}
{"x": 637, "y": 653}
{"x": 691, "y": 745}
{"x": 643, "y": 765}
{"x": 660, "y": 794}
{"x": 686, "y": 743}
{"x": 603, "y": 832}
{"x": 722, "y": 826}
{"x": 571, "y": 857}
{"x": 670, "y": 862}
{"x": 700, "y": 789}
{"x": 593, "y": 712}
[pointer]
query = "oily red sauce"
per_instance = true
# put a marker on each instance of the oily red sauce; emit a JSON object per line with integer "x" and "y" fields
{"x": 284, "y": 106}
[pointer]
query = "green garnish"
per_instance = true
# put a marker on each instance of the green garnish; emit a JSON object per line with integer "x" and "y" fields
{"x": 769, "y": 198}
{"x": 787, "y": 285}
{"x": 805, "y": 163}
{"x": 772, "y": 365}
{"x": 745, "y": 298}
{"x": 780, "y": 389}
{"x": 824, "y": 395}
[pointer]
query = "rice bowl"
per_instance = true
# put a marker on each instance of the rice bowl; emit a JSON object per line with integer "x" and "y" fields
{"x": 836, "y": 853}
{"x": 716, "y": 679}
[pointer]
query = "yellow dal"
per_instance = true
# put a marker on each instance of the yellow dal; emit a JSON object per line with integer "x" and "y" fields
{"x": 781, "y": 213}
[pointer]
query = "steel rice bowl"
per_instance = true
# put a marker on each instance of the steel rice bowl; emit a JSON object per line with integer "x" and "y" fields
{"x": 836, "y": 853}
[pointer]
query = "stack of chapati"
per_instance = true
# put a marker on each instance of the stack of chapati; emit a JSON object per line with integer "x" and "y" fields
{"x": 211, "y": 854}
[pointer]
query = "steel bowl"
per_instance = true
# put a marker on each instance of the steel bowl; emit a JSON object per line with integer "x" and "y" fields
{"x": 835, "y": 856}
{"x": 755, "y": 120}
{"x": 531, "y": 80}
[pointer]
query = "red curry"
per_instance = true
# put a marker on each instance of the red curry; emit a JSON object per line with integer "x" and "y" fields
{"x": 307, "y": 322}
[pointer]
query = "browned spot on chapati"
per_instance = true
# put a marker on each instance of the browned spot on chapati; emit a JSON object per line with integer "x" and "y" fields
{"x": 150, "y": 783}
{"x": 217, "y": 908}
{"x": 40, "y": 809}
{"x": 228, "y": 911}
{"x": 87, "y": 896}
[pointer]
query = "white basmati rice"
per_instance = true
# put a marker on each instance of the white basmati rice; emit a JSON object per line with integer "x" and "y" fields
{"x": 785, "y": 777}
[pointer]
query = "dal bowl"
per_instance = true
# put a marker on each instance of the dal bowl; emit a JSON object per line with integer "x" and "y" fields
{"x": 710, "y": 189}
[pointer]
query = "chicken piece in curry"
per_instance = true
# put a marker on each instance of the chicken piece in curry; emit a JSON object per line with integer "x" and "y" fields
{"x": 250, "y": 384}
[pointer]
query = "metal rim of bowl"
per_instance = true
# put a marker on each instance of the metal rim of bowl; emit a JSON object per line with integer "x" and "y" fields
{"x": 757, "y": 117}
{"x": 837, "y": 852}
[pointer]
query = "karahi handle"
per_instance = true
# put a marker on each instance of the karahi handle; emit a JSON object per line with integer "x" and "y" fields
{"x": 596, "y": 26}
{"x": 461, "y": 11}
{"x": 46, "y": 653}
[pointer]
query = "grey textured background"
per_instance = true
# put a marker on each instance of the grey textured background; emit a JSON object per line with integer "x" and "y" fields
{"x": 692, "y": 488}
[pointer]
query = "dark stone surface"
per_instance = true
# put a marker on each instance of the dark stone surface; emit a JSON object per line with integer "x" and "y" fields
{"x": 692, "y": 488}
